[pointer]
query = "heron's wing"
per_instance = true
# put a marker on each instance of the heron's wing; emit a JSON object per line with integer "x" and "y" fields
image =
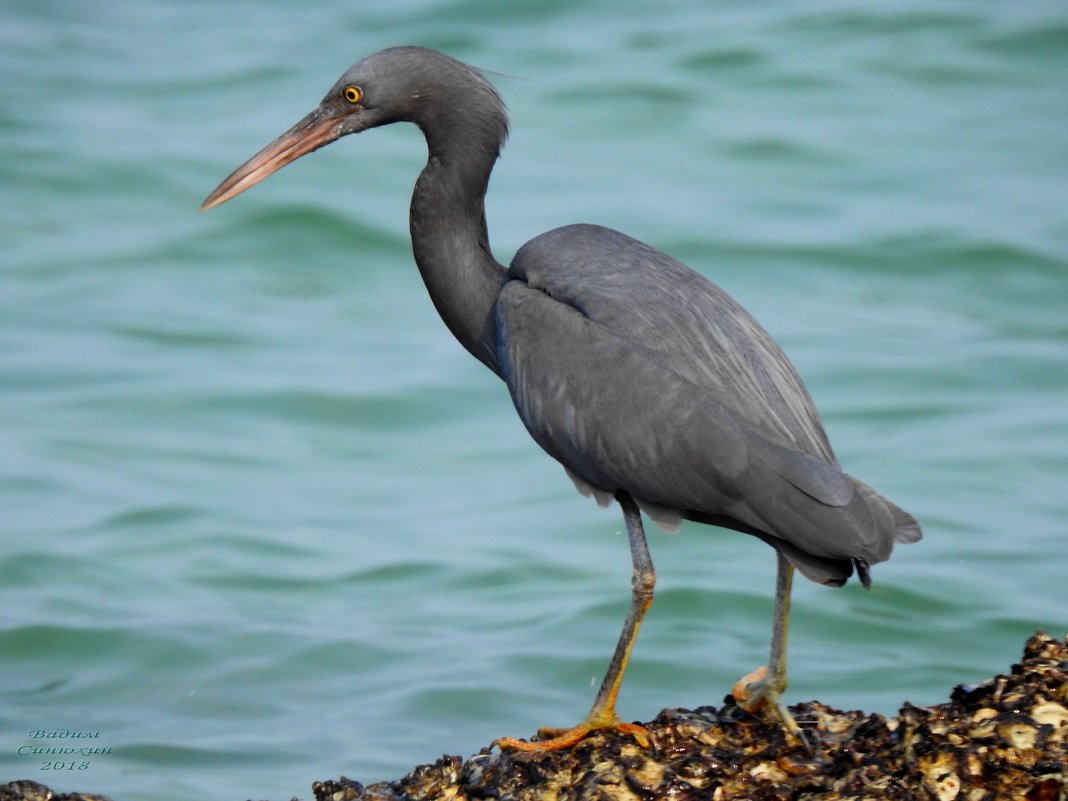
{"x": 609, "y": 377}
{"x": 684, "y": 322}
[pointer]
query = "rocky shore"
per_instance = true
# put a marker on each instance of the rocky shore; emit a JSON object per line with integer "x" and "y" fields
{"x": 1006, "y": 738}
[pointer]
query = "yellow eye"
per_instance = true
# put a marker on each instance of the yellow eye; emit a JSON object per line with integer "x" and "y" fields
{"x": 352, "y": 94}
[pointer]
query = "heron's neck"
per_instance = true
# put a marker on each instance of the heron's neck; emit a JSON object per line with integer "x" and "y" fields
{"x": 451, "y": 246}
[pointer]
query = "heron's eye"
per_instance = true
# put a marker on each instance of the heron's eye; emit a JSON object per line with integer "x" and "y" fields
{"x": 352, "y": 94}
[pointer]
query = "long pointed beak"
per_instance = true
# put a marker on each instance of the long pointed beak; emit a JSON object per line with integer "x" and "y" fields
{"x": 309, "y": 134}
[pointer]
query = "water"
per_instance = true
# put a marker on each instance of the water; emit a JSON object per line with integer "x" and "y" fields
{"x": 264, "y": 522}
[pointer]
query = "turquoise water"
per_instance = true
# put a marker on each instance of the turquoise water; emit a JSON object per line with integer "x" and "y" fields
{"x": 264, "y": 522}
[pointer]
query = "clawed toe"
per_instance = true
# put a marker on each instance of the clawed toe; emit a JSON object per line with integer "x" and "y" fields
{"x": 762, "y": 692}
{"x": 560, "y": 739}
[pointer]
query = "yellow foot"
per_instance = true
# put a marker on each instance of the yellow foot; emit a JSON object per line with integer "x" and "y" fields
{"x": 745, "y": 691}
{"x": 757, "y": 692}
{"x": 559, "y": 739}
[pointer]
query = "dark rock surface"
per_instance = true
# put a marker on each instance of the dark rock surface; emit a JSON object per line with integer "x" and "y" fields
{"x": 26, "y": 790}
{"x": 1004, "y": 739}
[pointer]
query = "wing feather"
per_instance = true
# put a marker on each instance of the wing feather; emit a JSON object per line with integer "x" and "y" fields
{"x": 639, "y": 375}
{"x": 685, "y": 321}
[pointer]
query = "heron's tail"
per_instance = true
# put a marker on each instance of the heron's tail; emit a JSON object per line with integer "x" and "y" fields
{"x": 863, "y": 530}
{"x": 823, "y": 512}
{"x": 906, "y": 529}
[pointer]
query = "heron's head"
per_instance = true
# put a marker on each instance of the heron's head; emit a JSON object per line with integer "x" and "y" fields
{"x": 413, "y": 84}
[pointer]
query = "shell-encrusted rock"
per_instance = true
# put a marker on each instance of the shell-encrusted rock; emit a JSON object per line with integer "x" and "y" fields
{"x": 27, "y": 790}
{"x": 1053, "y": 715}
{"x": 983, "y": 722}
{"x": 768, "y": 772}
{"x": 1020, "y": 735}
{"x": 1004, "y": 739}
{"x": 941, "y": 778}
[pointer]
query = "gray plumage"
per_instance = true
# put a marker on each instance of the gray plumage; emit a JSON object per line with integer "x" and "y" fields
{"x": 638, "y": 374}
{"x": 643, "y": 379}
{"x": 630, "y": 369}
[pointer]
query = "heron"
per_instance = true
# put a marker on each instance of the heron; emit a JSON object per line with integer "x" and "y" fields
{"x": 648, "y": 383}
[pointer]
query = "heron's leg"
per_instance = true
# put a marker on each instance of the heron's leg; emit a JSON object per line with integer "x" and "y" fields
{"x": 603, "y": 714}
{"x": 763, "y": 688}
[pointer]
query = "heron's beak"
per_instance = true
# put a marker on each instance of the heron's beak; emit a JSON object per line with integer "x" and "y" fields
{"x": 311, "y": 133}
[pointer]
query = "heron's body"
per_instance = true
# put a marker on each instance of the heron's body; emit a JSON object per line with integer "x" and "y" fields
{"x": 647, "y": 382}
{"x": 682, "y": 401}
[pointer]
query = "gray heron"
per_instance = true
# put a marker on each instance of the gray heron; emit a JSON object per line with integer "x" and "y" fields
{"x": 647, "y": 382}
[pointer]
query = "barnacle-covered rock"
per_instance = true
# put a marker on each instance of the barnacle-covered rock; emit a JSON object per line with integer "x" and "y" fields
{"x": 26, "y": 790}
{"x": 1006, "y": 738}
